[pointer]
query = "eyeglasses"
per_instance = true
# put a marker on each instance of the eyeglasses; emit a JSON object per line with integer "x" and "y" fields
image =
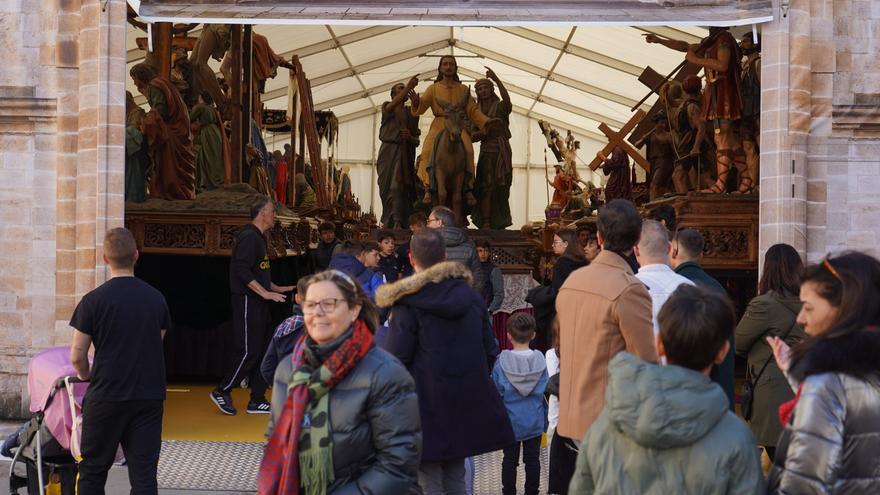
{"x": 556, "y": 243}
{"x": 327, "y": 306}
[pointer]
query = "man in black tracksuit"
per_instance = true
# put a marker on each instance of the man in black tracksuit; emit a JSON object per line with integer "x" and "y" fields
{"x": 251, "y": 288}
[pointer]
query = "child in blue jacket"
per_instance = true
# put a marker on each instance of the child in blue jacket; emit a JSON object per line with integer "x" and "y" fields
{"x": 521, "y": 377}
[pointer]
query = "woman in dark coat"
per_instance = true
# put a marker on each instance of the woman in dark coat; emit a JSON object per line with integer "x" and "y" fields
{"x": 440, "y": 331}
{"x": 570, "y": 257}
{"x": 371, "y": 442}
{"x": 771, "y": 314}
{"x": 831, "y": 440}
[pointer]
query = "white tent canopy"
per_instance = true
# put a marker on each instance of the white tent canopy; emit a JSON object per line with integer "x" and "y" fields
{"x": 573, "y": 76}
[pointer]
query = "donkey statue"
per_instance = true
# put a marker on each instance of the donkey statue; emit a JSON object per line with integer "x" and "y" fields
{"x": 449, "y": 163}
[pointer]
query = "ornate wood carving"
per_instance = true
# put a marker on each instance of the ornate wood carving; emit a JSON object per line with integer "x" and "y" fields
{"x": 729, "y": 224}
{"x": 213, "y": 234}
{"x": 163, "y": 235}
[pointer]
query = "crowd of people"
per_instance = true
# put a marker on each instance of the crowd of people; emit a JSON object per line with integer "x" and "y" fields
{"x": 389, "y": 382}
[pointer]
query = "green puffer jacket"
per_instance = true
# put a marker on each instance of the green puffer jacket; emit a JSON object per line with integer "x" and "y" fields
{"x": 666, "y": 430}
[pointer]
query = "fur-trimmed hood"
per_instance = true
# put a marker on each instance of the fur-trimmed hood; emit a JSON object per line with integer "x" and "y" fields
{"x": 431, "y": 290}
{"x": 856, "y": 354}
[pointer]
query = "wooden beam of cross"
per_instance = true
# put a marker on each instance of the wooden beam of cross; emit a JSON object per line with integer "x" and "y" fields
{"x": 616, "y": 139}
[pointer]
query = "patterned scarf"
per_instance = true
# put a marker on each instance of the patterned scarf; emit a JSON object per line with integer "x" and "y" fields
{"x": 300, "y": 451}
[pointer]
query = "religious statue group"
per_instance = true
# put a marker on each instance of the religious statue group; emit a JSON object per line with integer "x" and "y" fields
{"x": 704, "y": 132}
{"x": 180, "y": 145}
{"x": 701, "y": 134}
{"x": 446, "y": 170}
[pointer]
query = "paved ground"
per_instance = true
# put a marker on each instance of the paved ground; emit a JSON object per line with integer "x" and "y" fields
{"x": 188, "y": 467}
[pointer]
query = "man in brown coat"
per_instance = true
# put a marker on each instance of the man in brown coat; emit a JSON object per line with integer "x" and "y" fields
{"x": 602, "y": 309}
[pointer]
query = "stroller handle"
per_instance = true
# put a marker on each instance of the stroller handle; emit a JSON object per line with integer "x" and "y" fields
{"x": 72, "y": 379}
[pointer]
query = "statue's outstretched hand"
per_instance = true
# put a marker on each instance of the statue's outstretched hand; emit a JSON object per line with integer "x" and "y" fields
{"x": 651, "y": 38}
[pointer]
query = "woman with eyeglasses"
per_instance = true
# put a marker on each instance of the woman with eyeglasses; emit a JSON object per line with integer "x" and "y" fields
{"x": 831, "y": 440}
{"x": 570, "y": 257}
{"x": 345, "y": 416}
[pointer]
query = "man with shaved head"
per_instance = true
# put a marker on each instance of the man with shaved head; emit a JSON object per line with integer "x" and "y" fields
{"x": 655, "y": 271}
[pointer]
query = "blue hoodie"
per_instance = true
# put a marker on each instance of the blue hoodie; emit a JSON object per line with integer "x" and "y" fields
{"x": 521, "y": 378}
{"x": 368, "y": 279}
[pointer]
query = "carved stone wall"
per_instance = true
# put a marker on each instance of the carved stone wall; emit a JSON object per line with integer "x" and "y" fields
{"x": 820, "y": 139}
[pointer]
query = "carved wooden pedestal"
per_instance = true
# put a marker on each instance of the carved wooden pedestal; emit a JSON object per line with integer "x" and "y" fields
{"x": 729, "y": 224}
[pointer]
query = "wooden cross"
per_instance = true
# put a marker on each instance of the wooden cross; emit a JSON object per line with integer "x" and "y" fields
{"x": 616, "y": 139}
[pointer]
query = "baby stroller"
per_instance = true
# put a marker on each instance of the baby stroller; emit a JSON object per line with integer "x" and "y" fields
{"x": 48, "y": 443}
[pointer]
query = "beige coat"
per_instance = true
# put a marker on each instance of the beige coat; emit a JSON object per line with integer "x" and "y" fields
{"x": 603, "y": 309}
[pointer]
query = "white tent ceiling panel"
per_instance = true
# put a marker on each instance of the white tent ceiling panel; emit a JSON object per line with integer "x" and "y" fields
{"x": 344, "y": 29}
{"x": 628, "y": 45}
{"x": 599, "y": 76}
{"x": 323, "y": 63}
{"x": 501, "y": 42}
{"x": 586, "y": 101}
{"x": 564, "y": 116}
{"x": 394, "y": 42}
{"x": 558, "y": 32}
{"x": 400, "y": 71}
{"x": 335, "y": 90}
{"x": 507, "y": 73}
{"x": 291, "y": 37}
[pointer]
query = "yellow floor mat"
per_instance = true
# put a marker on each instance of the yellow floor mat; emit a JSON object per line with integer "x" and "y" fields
{"x": 190, "y": 415}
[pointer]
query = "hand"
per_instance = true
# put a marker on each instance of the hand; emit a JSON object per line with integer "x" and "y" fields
{"x": 285, "y": 288}
{"x": 405, "y": 134}
{"x": 412, "y": 83}
{"x": 781, "y": 351}
{"x": 601, "y": 156}
{"x": 274, "y": 296}
{"x": 652, "y": 38}
{"x": 490, "y": 74}
{"x": 414, "y": 98}
{"x": 692, "y": 55}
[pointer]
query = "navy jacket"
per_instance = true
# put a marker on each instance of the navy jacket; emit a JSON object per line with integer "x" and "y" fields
{"x": 439, "y": 329}
{"x": 368, "y": 279}
{"x": 723, "y": 373}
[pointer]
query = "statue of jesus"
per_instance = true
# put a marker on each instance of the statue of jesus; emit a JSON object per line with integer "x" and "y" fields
{"x": 447, "y": 89}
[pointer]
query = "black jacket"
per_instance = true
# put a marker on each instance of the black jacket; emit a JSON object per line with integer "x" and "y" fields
{"x": 461, "y": 249}
{"x": 321, "y": 255}
{"x": 695, "y": 273}
{"x": 374, "y": 420}
{"x": 439, "y": 329}
{"x": 722, "y": 374}
{"x": 249, "y": 261}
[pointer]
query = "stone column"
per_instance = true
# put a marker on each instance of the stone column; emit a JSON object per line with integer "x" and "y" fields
{"x": 785, "y": 121}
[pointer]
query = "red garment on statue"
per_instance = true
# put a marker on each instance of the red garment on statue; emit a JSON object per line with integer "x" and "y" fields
{"x": 722, "y": 99}
{"x": 281, "y": 181}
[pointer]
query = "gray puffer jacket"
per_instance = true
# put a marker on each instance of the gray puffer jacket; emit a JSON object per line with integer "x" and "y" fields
{"x": 374, "y": 420}
{"x": 831, "y": 444}
{"x": 461, "y": 249}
